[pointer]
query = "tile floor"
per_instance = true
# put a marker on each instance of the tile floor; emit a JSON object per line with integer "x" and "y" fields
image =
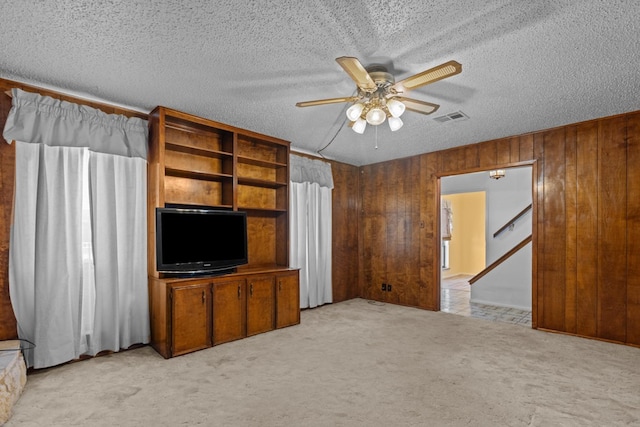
{"x": 454, "y": 298}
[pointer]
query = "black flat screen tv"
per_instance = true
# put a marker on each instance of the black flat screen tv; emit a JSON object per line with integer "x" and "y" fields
{"x": 200, "y": 241}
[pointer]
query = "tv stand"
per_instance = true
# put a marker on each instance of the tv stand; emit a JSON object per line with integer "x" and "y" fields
{"x": 189, "y": 314}
{"x": 199, "y": 274}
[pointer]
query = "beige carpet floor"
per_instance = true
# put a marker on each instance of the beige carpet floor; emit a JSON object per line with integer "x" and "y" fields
{"x": 352, "y": 364}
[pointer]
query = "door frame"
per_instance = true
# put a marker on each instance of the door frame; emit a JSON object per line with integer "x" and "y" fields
{"x": 534, "y": 229}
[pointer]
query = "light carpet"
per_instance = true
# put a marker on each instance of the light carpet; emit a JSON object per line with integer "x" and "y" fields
{"x": 352, "y": 363}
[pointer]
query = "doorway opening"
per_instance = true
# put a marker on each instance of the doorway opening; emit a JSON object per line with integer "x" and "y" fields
{"x": 473, "y": 208}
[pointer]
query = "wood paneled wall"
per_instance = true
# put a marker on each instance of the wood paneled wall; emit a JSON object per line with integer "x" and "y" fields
{"x": 7, "y": 176}
{"x": 586, "y": 217}
{"x": 586, "y": 258}
{"x": 345, "y": 226}
{"x": 390, "y": 224}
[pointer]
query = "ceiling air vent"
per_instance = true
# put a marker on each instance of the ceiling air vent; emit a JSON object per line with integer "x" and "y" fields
{"x": 456, "y": 116}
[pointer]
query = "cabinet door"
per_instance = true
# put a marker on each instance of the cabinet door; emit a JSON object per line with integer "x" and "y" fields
{"x": 287, "y": 299}
{"x": 229, "y": 300}
{"x": 191, "y": 318}
{"x": 260, "y": 304}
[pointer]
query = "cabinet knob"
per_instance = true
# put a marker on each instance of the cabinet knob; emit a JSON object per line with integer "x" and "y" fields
{"x": 204, "y": 298}
{"x": 251, "y": 289}
{"x": 239, "y": 292}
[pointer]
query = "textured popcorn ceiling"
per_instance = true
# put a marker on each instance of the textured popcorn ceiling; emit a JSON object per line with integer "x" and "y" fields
{"x": 526, "y": 65}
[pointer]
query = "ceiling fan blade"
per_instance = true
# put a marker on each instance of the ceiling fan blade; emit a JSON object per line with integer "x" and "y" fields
{"x": 431, "y": 75}
{"x": 417, "y": 106}
{"x": 327, "y": 101}
{"x": 357, "y": 72}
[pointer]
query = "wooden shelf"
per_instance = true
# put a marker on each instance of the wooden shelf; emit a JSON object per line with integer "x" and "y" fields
{"x": 261, "y": 183}
{"x": 262, "y": 210}
{"x": 187, "y": 149}
{"x": 222, "y": 207}
{"x": 204, "y": 176}
{"x": 188, "y": 206}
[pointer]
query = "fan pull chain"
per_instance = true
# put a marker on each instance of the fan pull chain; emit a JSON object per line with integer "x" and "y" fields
{"x": 376, "y": 137}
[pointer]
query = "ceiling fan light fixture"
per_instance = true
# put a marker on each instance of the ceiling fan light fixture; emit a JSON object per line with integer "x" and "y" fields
{"x": 376, "y": 116}
{"x": 353, "y": 112}
{"x": 395, "y": 107}
{"x": 378, "y": 96}
{"x": 359, "y": 126}
{"x": 395, "y": 123}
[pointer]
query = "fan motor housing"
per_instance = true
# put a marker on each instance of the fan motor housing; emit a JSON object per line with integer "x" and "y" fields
{"x": 380, "y": 75}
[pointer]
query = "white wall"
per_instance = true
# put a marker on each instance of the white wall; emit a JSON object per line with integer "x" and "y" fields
{"x": 510, "y": 284}
{"x": 505, "y": 199}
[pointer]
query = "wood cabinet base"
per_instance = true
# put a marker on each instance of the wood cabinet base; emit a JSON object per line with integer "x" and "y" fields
{"x": 193, "y": 314}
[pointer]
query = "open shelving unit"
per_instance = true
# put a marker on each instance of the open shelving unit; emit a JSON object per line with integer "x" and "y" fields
{"x": 201, "y": 163}
{"x": 195, "y": 162}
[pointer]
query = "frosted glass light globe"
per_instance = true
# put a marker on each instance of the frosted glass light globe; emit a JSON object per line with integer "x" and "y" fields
{"x": 376, "y": 116}
{"x": 359, "y": 126}
{"x": 354, "y": 111}
{"x": 396, "y": 108}
{"x": 395, "y": 123}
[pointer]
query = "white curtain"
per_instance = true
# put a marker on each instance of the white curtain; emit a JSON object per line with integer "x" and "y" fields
{"x": 119, "y": 229}
{"x": 310, "y": 229}
{"x": 77, "y": 257}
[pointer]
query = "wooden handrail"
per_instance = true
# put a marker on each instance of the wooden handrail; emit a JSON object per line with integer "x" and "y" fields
{"x": 500, "y": 260}
{"x": 513, "y": 220}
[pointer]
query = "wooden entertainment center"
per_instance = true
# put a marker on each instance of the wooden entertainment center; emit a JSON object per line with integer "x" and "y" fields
{"x": 195, "y": 162}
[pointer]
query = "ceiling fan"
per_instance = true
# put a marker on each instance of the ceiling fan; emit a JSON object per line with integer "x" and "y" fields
{"x": 379, "y": 96}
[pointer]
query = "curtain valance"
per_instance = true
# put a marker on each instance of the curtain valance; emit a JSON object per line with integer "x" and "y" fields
{"x": 303, "y": 169}
{"x": 44, "y": 120}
